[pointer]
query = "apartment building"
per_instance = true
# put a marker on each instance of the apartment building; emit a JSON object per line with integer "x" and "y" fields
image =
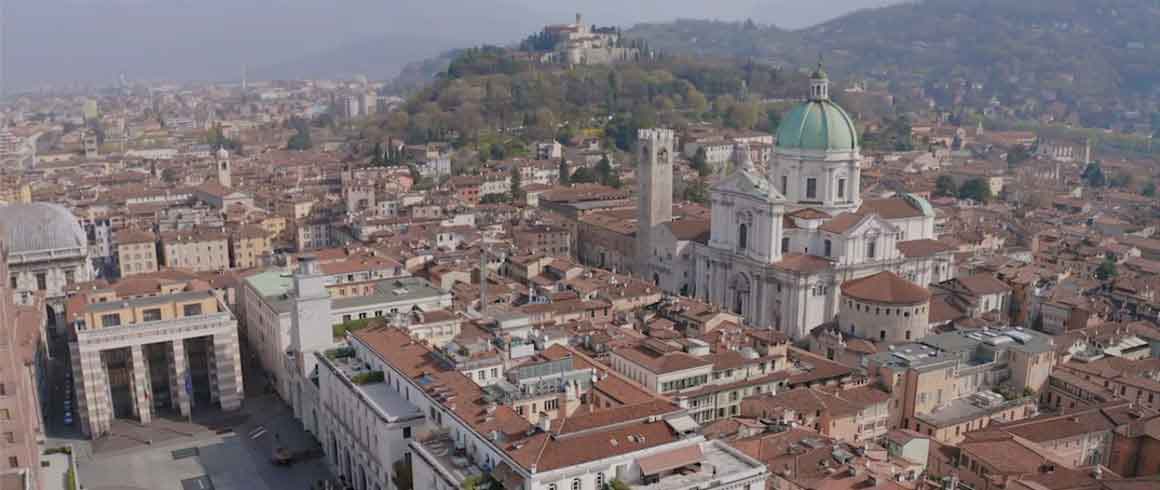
{"x": 248, "y": 244}
{"x": 470, "y": 435}
{"x": 196, "y": 249}
{"x": 946, "y": 385}
{"x": 271, "y": 301}
{"x": 711, "y": 386}
{"x": 136, "y": 252}
{"x": 853, "y": 415}
{"x": 20, "y": 427}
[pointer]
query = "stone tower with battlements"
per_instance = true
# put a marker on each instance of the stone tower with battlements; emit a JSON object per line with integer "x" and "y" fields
{"x": 655, "y": 149}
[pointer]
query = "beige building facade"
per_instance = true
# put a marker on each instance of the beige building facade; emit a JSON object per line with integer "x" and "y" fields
{"x": 136, "y": 252}
{"x": 196, "y": 250}
{"x": 138, "y": 356}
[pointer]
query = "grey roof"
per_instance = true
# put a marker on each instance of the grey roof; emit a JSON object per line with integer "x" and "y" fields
{"x": 39, "y": 227}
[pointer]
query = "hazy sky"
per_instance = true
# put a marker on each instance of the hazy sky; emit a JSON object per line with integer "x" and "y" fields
{"x": 94, "y": 40}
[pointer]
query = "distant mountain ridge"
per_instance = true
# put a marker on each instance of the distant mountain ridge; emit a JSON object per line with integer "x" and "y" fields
{"x": 1093, "y": 55}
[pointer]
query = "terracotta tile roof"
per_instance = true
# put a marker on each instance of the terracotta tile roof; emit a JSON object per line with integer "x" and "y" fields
{"x": 980, "y": 284}
{"x": 842, "y": 223}
{"x": 887, "y": 288}
{"x": 806, "y": 264}
{"x": 133, "y": 236}
{"x": 690, "y": 230}
{"x": 923, "y": 247}
{"x": 664, "y": 363}
{"x": 810, "y": 213}
{"x": 892, "y": 208}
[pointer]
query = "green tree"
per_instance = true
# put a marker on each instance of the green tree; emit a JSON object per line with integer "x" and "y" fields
{"x": 517, "y": 184}
{"x": 741, "y": 115}
{"x": 169, "y": 176}
{"x": 1106, "y": 270}
{"x": 1018, "y": 155}
{"x": 1149, "y": 189}
{"x": 976, "y": 190}
{"x": 377, "y": 154}
{"x": 701, "y": 162}
{"x": 301, "y": 139}
{"x": 944, "y": 186}
{"x": 583, "y": 175}
{"x": 604, "y": 171}
{"x": 697, "y": 192}
{"x": 1093, "y": 175}
{"x": 565, "y": 173}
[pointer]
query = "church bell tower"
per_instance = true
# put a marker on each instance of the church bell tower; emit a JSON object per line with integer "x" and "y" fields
{"x": 655, "y": 208}
{"x": 223, "y": 168}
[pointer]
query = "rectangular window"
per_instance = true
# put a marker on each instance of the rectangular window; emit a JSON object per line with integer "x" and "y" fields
{"x": 5, "y": 414}
{"x": 784, "y": 184}
{"x": 785, "y": 245}
{"x": 829, "y": 248}
{"x": 111, "y": 320}
{"x": 41, "y": 281}
{"x": 872, "y": 249}
{"x": 151, "y": 315}
{"x": 811, "y": 188}
{"x": 10, "y": 437}
{"x": 406, "y": 432}
{"x": 13, "y": 462}
{"x": 841, "y": 188}
{"x": 191, "y": 309}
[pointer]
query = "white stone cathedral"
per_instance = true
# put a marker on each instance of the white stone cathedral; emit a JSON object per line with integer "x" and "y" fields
{"x": 779, "y": 245}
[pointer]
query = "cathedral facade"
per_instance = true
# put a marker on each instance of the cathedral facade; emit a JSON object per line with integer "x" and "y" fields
{"x": 780, "y": 245}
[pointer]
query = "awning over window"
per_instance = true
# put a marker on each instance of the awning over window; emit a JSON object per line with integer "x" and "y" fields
{"x": 669, "y": 460}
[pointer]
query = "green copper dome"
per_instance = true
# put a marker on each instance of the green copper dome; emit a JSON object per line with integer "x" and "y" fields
{"x": 817, "y": 125}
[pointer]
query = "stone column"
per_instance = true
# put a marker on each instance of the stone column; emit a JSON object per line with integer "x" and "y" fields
{"x": 227, "y": 365}
{"x": 93, "y": 410}
{"x": 178, "y": 370}
{"x": 142, "y": 401}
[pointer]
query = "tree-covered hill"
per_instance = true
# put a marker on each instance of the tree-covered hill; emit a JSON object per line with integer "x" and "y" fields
{"x": 490, "y": 91}
{"x": 1095, "y": 57}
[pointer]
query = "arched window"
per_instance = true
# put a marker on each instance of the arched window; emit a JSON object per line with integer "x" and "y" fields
{"x": 575, "y": 484}
{"x": 551, "y": 486}
{"x": 743, "y": 236}
{"x": 881, "y": 335}
{"x": 908, "y": 335}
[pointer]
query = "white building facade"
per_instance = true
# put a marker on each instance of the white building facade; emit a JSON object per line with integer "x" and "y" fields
{"x": 781, "y": 244}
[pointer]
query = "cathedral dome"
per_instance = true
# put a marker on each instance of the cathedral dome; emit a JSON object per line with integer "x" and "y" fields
{"x": 818, "y": 125}
{"x": 38, "y": 227}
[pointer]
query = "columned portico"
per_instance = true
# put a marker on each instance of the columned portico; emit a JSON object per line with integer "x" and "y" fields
{"x": 142, "y": 396}
{"x": 178, "y": 372}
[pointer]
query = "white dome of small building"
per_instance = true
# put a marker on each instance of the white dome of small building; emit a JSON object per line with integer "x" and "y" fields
{"x": 48, "y": 251}
{"x": 41, "y": 227}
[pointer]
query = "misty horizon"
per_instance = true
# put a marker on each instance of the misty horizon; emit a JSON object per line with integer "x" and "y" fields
{"x": 62, "y": 42}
